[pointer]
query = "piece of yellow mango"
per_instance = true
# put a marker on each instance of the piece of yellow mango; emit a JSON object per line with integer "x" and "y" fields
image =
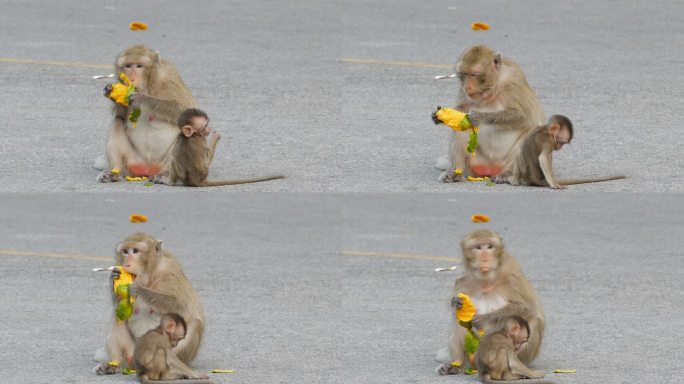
{"x": 456, "y": 120}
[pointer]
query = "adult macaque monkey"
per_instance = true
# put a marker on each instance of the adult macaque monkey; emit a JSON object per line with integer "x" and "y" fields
{"x": 160, "y": 287}
{"x": 532, "y": 161}
{"x": 496, "y": 357}
{"x": 192, "y": 156}
{"x": 161, "y": 95}
{"x": 498, "y": 289}
{"x": 154, "y": 357}
{"x": 497, "y": 98}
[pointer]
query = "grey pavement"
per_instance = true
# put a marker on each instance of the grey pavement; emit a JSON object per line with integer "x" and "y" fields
{"x": 340, "y": 288}
{"x": 280, "y": 82}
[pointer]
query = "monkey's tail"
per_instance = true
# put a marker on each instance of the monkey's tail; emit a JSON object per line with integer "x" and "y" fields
{"x": 589, "y": 180}
{"x": 487, "y": 380}
{"x": 218, "y": 183}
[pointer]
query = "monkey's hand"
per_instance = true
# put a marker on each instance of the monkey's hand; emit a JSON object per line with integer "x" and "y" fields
{"x": 558, "y": 186}
{"x": 116, "y": 272}
{"x": 108, "y": 90}
{"x": 456, "y": 302}
{"x": 478, "y": 321}
{"x": 133, "y": 289}
{"x": 435, "y": 119}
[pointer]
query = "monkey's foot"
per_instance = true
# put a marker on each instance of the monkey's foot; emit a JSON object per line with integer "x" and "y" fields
{"x": 537, "y": 375}
{"x": 106, "y": 369}
{"x": 451, "y": 177}
{"x": 448, "y": 369}
{"x": 108, "y": 177}
{"x": 501, "y": 180}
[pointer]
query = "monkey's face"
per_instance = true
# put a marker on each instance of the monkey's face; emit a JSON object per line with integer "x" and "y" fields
{"x": 478, "y": 80}
{"x": 132, "y": 255}
{"x": 560, "y": 135}
{"x": 200, "y": 125}
{"x": 518, "y": 335}
{"x": 136, "y": 68}
{"x": 175, "y": 332}
{"x": 482, "y": 255}
{"x": 561, "y": 138}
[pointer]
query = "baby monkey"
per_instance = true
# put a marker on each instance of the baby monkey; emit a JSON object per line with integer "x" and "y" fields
{"x": 192, "y": 156}
{"x": 532, "y": 161}
{"x": 497, "y": 358}
{"x": 154, "y": 357}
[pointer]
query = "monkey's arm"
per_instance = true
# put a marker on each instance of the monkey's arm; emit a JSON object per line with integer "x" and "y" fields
{"x": 162, "y": 301}
{"x": 496, "y": 318}
{"x": 546, "y": 164}
{"x": 168, "y": 110}
{"x": 505, "y": 117}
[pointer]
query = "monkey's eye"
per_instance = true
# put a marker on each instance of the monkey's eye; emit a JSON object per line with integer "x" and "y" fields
{"x": 484, "y": 246}
{"x": 138, "y": 65}
{"x": 135, "y": 250}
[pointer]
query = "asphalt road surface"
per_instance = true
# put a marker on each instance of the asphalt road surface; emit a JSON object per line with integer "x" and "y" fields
{"x": 338, "y": 94}
{"x": 340, "y": 288}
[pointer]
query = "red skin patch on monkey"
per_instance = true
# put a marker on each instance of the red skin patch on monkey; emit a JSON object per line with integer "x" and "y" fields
{"x": 482, "y": 170}
{"x": 143, "y": 169}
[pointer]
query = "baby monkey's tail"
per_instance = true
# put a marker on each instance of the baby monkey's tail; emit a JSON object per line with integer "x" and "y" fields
{"x": 487, "y": 380}
{"x": 589, "y": 180}
{"x": 218, "y": 183}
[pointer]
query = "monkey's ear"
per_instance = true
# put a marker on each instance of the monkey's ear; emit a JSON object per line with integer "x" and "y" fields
{"x": 158, "y": 246}
{"x": 156, "y": 58}
{"x": 515, "y": 327}
{"x": 187, "y": 130}
{"x": 554, "y": 128}
{"x": 170, "y": 325}
{"x": 119, "y": 248}
{"x": 497, "y": 60}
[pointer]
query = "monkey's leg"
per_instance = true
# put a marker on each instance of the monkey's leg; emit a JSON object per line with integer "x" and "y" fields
{"x": 520, "y": 370}
{"x": 455, "y": 343}
{"x": 120, "y": 347}
{"x": 459, "y": 159}
{"x": 178, "y": 369}
{"x": 120, "y": 152}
